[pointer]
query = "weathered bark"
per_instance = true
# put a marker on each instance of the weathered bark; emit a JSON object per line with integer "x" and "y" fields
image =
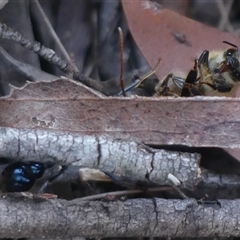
{"x": 125, "y": 158}
{"x": 50, "y": 55}
{"x": 46, "y": 53}
{"x": 132, "y": 218}
{"x": 30, "y": 72}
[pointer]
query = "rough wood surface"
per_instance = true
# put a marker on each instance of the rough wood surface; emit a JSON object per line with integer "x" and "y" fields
{"x": 124, "y": 158}
{"x": 132, "y": 218}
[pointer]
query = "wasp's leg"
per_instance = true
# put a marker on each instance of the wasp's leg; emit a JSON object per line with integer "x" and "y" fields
{"x": 219, "y": 86}
{"x": 230, "y": 65}
{"x": 188, "y": 88}
{"x": 162, "y": 89}
{"x": 194, "y": 91}
{"x": 223, "y": 87}
{"x": 191, "y": 90}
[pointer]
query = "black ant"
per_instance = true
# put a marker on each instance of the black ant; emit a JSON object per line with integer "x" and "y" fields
{"x": 21, "y": 176}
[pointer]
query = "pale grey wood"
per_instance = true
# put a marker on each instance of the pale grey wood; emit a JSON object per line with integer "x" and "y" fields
{"x": 122, "y": 157}
{"x": 132, "y": 218}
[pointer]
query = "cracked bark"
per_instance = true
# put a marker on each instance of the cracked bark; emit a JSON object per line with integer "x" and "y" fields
{"x": 123, "y": 157}
{"x": 132, "y": 218}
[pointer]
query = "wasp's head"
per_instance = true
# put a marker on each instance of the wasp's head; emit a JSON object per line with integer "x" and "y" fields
{"x": 232, "y": 62}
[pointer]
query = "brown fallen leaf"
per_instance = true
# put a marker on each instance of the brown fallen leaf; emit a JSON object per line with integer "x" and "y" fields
{"x": 177, "y": 40}
{"x": 69, "y": 106}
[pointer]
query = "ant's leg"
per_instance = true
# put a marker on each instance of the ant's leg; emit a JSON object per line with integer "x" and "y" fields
{"x": 131, "y": 86}
{"x": 51, "y": 179}
{"x": 122, "y": 181}
{"x": 138, "y": 80}
{"x": 130, "y": 182}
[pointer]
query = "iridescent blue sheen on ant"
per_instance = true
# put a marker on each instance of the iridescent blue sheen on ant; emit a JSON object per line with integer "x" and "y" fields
{"x": 21, "y": 176}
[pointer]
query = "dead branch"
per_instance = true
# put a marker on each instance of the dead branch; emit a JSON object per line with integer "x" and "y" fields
{"x": 98, "y": 219}
{"x": 30, "y": 72}
{"x": 124, "y": 193}
{"x": 46, "y": 53}
{"x": 121, "y": 60}
{"x": 107, "y": 87}
{"x": 123, "y": 157}
{"x": 38, "y": 11}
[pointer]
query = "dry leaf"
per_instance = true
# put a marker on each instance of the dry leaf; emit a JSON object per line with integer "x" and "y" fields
{"x": 69, "y": 106}
{"x": 177, "y": 40}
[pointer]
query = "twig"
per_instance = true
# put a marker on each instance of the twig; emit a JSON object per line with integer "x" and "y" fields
{"x": 139, "y": 81}
{"x": 46, "y": 53}
{"x": 53, "y": 34}
{"x": 49, "y": 55}
{"x": 30, "y": 72}
{"x": 121, "y": 61}
{"x": 124, "y": 192}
